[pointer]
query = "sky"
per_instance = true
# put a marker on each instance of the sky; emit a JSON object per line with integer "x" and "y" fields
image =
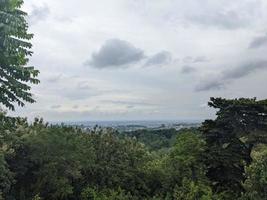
{"x": 143, "y": 59}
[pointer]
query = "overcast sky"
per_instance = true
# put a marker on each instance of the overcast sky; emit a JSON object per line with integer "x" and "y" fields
{"x": 143, "y": 59}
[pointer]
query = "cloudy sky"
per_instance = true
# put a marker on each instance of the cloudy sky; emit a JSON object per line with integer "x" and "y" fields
{"x": 143, "y": 59}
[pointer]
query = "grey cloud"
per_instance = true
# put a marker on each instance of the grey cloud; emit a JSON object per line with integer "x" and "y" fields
{"x": 200, "y": 59}
{"x": 38, "y": 14}
{"x": 219, "y": 81}
{"x": 245, "y": 70}
{"x": 78, "y": 94}
{"x": 116, "y": 53}
{"x": 210, "y": 85}
{"x": 226, "y": 20}
{"x": 190, "y": 59}
{"x": 80, "y": 91}
{"x": 56, "y": 106}
{"x": 84, "y": 86}
{"x": 129, "y": 103}
{"x": 258, "y": 42}
{"x": 187, "y": 59}
{"x": 187, "y": 69}
{"x": 161, "y": 58}
{"x": 54, "y": 78}
{"x": 64, "y": 19}
{"x": 75, "y": 107}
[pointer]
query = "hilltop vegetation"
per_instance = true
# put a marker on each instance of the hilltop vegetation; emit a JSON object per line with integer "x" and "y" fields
{"x": 157, "y": 139}
{"x": 225, "y": 159}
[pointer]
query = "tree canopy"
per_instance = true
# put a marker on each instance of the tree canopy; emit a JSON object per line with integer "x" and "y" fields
{"x": 218, "y": 161}
{"x": 15, "y": 75}
{"x": 240, "y": 125}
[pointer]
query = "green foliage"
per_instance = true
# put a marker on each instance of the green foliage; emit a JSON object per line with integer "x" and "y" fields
{"x": 37, "y": 197}
{"x": 191, "y": 190}
{"x": 185, "y": 161}
{"x": 118, "y": 163}
{"x": 14, "y": 53}
{"x": 240, "y": 124}
{"x": 187, "y": 151}
{"x": 154, "y": 139}
{"x": 6, "y": 178}
{"x": 256, "y": 183}
{"x": 93, "y": 194}
{"x": 244, "y": 118}
{"x": 58, "y": 162}
{"x": 222, "y": 162}
{"x": 46, "y": 160}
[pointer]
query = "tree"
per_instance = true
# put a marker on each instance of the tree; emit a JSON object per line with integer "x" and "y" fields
{"x": 256, "y": 183}
{"x": 191, "y": 190}
{"x": 186, "y": 166}
{"x": 14, "y": 52}
{"x": 186, "y": 156}
{"x": 240, "y": 124}
{"x": 47, "y": 161}
{"x": 6, "y": 178}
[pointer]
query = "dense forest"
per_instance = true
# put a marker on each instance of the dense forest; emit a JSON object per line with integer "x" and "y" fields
{"x": 224, "y": 159}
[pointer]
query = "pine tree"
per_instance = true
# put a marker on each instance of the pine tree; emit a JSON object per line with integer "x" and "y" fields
{"x": 15, "y": 75}
{"x": 240, "y": 125}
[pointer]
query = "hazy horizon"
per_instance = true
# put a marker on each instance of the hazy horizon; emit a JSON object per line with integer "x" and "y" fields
{"x": 130, "y": 121}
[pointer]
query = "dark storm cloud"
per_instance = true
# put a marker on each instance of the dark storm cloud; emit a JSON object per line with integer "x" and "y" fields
{"x": 258, "y": 42}
{"x": 161, "y": 58}
{"x": 219, "y": 82}
{"x": 116, "y": 53}
{"x": 38, "y": 14}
